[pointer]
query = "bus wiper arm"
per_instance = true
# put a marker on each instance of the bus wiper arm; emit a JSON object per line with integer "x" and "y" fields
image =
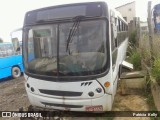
{"x": 74, "y": 28}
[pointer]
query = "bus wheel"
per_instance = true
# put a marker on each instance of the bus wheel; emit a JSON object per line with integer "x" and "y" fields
{"x": 16, "y": 72}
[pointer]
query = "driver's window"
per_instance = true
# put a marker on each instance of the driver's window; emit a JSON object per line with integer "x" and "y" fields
{"x": 16, "y": 45}
{"x": 16, "y": 37}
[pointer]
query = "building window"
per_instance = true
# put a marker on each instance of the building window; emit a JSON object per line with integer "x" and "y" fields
{"x": 129, "y": 9}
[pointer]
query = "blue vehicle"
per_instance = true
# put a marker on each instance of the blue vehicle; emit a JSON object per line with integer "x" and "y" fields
{"x": 10, "y": 60}
{"x": 156, "y": 16}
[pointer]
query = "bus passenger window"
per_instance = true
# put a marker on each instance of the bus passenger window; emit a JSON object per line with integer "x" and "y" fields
{"x": 122, "y": 26}
{"x": 3, "y": 51}
{"x": 119, "y": 24}
{"x": 9, "y": 50}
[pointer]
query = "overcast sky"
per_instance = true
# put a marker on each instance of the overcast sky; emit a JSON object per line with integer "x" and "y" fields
{"x": 12, "y": 11}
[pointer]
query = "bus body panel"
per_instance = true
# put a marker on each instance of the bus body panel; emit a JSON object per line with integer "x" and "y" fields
{"x": 19, "y": 62}
{"x": 8, "y": 60}
{"x": 79, "y": 103}
{"x": 8, "y": 63}
{"x": 107, "y": 78}
{"x": 11, "y": 61}
{"x": 156, "y": 16}
{"x": 5, "y": 72}
{"x": 72, "y": 103}
{"x": 120, "y": 57}
{"x": 65, "y": 90}
{"x": 37, "y": 100}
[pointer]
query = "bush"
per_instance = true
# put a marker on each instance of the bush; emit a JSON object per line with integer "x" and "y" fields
{"x": 156, "y": 70}
{"x": 132, "y": 38}
{"x": 135, "y": 58}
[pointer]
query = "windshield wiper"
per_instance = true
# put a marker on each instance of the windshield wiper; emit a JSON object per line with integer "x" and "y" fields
{"x": 73, "y": 30}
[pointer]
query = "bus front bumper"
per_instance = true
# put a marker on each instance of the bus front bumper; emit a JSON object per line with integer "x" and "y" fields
{"x": 100, "y": 104}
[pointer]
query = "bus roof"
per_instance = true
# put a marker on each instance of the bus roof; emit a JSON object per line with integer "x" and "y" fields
{"x": 5, "y": 43}
{"x": 67, "y": 11}
{"x": 69, "y": 3}
{"x": 41, "y": 14}
{"x": 118, "y": 14}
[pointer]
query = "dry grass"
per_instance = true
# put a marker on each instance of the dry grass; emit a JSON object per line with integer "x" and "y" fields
{"x": 156, "y": 44}
{"x": 144, "y": 46}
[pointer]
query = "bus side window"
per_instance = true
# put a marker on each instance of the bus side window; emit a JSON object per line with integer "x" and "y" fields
{"x": 9, "y": 50}
{"x": 114, "y": 37}
{"x": 122, "y": 26}
{"x": 126, "y": 28}
{"x": 117, "y": 25}
{"x": 4, "y": 51}
{"x": 1, "y": 55}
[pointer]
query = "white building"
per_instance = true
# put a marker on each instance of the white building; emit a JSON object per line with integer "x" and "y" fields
{"x": 128, "y": 11}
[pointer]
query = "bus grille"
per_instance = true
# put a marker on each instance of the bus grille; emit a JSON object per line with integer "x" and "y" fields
{"x": 60, "y": 93}
{"x": 62, "y": 105}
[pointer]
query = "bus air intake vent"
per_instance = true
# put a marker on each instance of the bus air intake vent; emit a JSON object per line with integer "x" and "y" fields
{"x": 60, "y": 93}
{"x": 62, "y": 105}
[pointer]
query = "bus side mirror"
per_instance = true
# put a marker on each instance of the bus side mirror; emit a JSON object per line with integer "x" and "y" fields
{"x": 18, "y": 49}
{"x": 16, "y": 45}
{"x": 125, "y": 67}
{"x": 16, "y": 37}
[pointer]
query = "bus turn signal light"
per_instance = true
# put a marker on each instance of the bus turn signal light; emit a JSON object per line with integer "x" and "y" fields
{"x": 107, "y": 84}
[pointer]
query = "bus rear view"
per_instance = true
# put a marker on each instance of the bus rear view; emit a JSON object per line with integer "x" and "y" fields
{"x": 66, "y": 53}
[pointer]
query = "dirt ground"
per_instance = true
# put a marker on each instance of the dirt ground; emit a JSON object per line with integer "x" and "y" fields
{"x": 136, "y": 102}
{"x": 13, "y": 96}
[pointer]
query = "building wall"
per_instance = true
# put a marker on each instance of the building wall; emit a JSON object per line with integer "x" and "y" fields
{"x": 144, "y": 26}
{"x": 128, "y": 11}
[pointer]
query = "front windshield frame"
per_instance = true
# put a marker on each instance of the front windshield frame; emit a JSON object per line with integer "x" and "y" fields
{"x": 71, "y": 76}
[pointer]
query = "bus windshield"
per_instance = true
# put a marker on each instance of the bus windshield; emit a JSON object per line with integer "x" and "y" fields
{"x": 50, "y": 53}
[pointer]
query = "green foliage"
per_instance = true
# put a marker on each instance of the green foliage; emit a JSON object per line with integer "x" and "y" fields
{"x": 145, "y": 53}
{"x": 132, "y": 38}
{"x": 135, "y": 58}
{"x": 156, "y": 46}
{"x": 156, "y": 70}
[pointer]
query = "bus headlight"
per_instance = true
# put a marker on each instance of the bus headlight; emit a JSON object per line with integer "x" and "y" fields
{"x": 99, "y": 90}
{"x": 28, "y": 85}
{"x": 32, "y": 89}
{"x": 91, "y": 94}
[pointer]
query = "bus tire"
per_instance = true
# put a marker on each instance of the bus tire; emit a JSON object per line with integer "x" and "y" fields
{"x": 16, "y": 72}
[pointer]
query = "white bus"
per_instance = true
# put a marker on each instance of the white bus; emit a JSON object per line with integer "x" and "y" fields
{"x": 72, "y": 55}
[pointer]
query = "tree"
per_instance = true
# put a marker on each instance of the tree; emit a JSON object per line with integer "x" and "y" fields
{"x": 1, "y": 40}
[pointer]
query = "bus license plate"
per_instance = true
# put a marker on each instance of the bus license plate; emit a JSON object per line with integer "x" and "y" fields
{"x": 94, "y": 108}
